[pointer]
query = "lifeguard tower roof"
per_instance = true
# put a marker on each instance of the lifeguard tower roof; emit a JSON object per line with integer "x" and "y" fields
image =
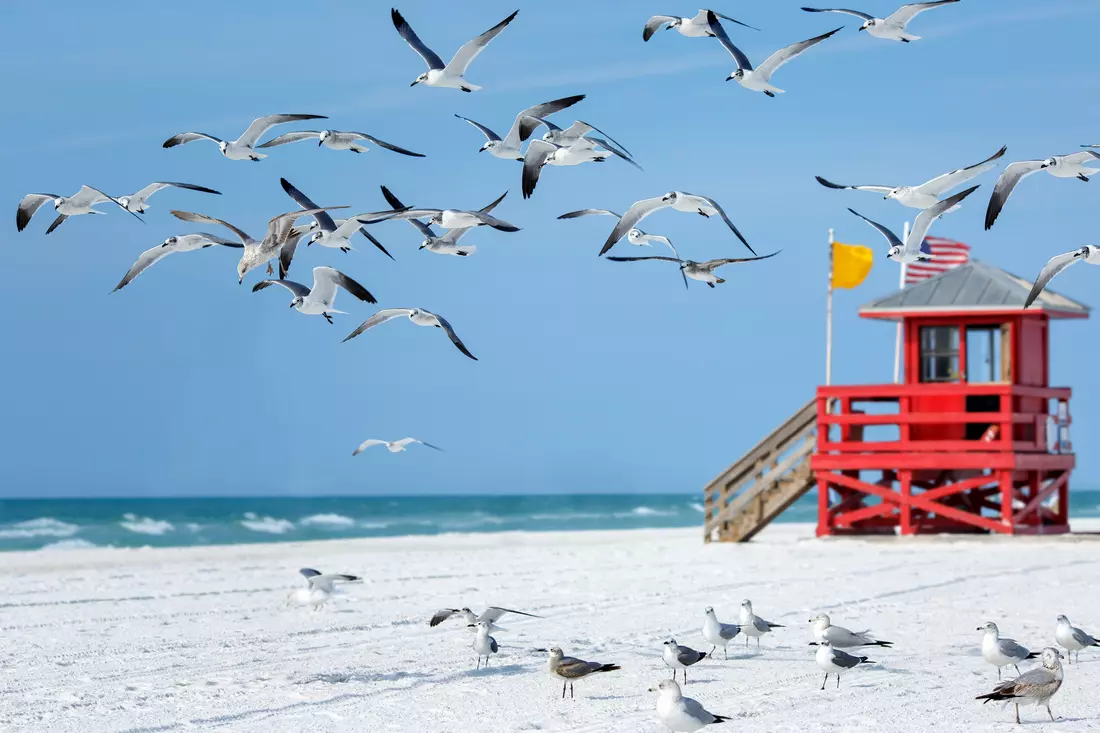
{"x": 976, "y": 287}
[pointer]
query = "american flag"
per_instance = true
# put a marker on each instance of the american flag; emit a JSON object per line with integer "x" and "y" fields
{"x": 946, "y": 254}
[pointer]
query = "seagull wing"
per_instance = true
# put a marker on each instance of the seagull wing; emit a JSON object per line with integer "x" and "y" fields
{"x": 1054, "y": 266}
{"x": 589, "y": 212}
{"x": 309, "y": 573}
{"x": 262, "y": 124}
{"x": 722, "y": 213}
{"x": 927, "y": 216}
{"x": 608, "y": 146}
{"x": 1012, "y": 649}
{"x": 906, "y": 13}
{"x": 291, "y": 137}
{"x": 286, "y": 252}
{"x": 489, "y": 134}
{"x": 280, "y": 228}
{"x": 533, "y": 161}
{"x": 654, "y": 24}
{"x": 386, "y": 145}
{"x": 1083, "y": 638}
{"x": 734, "y": 20}
{"x": 783, "y": 55}
{"x": 430, "y": 57}
{"x": 145, "y": 260}
{"x": 720, "y": 33}
{"x": 942, "y": 184}
{"x": 493, "y": 614}
{"x": 1085, "y": 156}
{"x": 639, "y": 259}
{"x": 469, "y": 51}
{"x": 188, "y": 137}
{"x": 697, "y": 712}
{"x": 845, "y": 660}
{"x": 638, "y": 211}
{"x": 322, "y": 218}
{"x": 396, "y": 204}
{"x": 489, "y": 207}
{"x": 446, "y": 326}
{"x": 495, "y": 223}
{"x": 386, "y": 314}
{"x": 327, "y": 279}
{"x": 88, "y": 196}
{"x": 152, "y": 188}
{"x": 589, "y": 127}
{"x": 297, "y": 289}
{"x": 839, "y": 187}
{"x": 891, "y": 238}
{"x": 712, "y": 264}
{"x": 856, "y": 13}
{"x": 530, "y": 118}
{"x": 1011, "y": 176}
{"x": 30, "y": 204}
{"x": 203, "y": 218}
{"x": 328, "y": 582}
{"x": 443, "y": 614}
{"x": 369, "y": 444}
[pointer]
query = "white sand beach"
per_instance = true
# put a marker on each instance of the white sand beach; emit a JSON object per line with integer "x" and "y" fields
{"x": 196, "y": 639}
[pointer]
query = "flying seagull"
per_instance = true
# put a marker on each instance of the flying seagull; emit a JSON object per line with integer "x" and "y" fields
{"x": 420, "y": 317}
{"x": 840, "y": 637}
{"x": 243, "y": 148}
{"x": 490, "y": 615}
{"x": 635, "y": 236}
{"x": 135, "y": 203}
{"x": 718, "y": 633}
{"x": 449, "y": 218}
{"x": 541, "y": 153}
{"x": 397, "y": 446}
{"x": 677, "y": 200}
{"x": 695, "y": 27}
{"x": 1072, "y": 638}
{"x": 327, "y": 233}
{"x": 701, "y": 271}
{"x": 1000, "y": 651}
{"x": 183, "y": 243}
{"x": 318, "y": 300}
{"x": 337, "y": 140}
{"x": 484, "y": 644}
{"x": 79, "y": 203}
{"x": 914, "y": 248}
{"x": 677, "y": 657}
{"x": 447, "y": 75}
{"x": 1036, "y": 686}
{"x": 759, "y": 79}
{"x": 509, "y": 147}
{"x": 578, "y": 130}
{"x": 835, "y": 661}
{"x": 571, "y": 669}
{"x": 1059, "y": 166}
{"x": 319, "y": 589}
{"x": 682, "y": 714}
{"x": 892, "y": 27}
{"x": 753, "y": 625}
{"x": 448, "y": 243}
{"x": 280, "y": 232}
{"x": 926, "y": 194}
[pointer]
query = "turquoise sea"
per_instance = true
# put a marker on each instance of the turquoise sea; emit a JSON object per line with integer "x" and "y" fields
{"x": 33, "y": 524}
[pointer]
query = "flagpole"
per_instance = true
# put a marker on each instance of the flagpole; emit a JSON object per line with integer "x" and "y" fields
{"x": 897, "y": 337}
{"x": 829, "y": 318}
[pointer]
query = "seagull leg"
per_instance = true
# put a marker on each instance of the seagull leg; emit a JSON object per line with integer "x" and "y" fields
{"x": 478, "y": 661}
{"x": 758, "y": 643}
{"x": 726, "y": 651}
{"x": 770, "y": 94}
{"x": 1017, "y": 713}
{"x": 746, "y": 642}
{"x": 327, "y": 317}
{"x": 998, "y": 674}
{"x": 1017, "y": 668}
{"x": 712, "y": 650}
{"x": 825, "y": 680}
{"x": 345, "y": 250}
{"x": 570, "y": 690}
{"x": 1083, "y": 178}
{"x": 838, "y": 682}
{"x": 563, "y": 686}
{"x": 685, "y": 676}
{"x": 269, "y": 270}
{"x": 1050, "y": 714}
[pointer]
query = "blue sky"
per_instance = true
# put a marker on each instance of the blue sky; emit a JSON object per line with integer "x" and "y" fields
{"x": 593, "y": 376}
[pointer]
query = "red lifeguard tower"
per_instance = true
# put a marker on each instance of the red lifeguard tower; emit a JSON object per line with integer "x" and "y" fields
{"x": 974, "y": 439}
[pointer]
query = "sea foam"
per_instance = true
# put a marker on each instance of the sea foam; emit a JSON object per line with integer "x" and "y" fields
{"x": 41, "y": 527}
{"x": 145, "y": 525}
{"x": 270, "y": 525}
{"x": 327, "y": 520}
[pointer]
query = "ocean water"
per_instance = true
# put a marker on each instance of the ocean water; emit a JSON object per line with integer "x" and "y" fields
{"x": 58, "y": 524}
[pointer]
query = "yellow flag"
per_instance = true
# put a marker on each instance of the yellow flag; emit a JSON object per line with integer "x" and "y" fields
{"x": 851, "y": 263}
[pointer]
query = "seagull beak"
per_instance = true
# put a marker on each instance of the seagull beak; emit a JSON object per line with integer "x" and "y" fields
{"x": 320, "y": 143}
{"x": 652, "y": 689}
{"x": 414, "y": 83}
{"x": 729, "y": 77}
{"x": 862, "y": 28}
{"x": 240, "y": 280}
{"x": 292, "y": 305}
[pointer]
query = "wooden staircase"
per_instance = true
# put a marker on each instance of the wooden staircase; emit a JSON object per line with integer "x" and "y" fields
{"x": 752, "y": 492}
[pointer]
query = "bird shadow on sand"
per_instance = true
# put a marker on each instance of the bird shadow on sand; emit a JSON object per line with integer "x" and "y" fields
{"x": 505, "y": 670}
{"x": 337, "y": 678}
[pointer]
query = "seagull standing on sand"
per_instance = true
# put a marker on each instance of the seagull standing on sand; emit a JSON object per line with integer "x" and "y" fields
{"x": 319, "y": 589}
{"x": 835, "y": 661}
{"x": 484, "y": 645}
{"x": 135, "y": 203}
{"x": 1089, "y": 253}
{"x": 319, "y": 300}
{"x": 914, "y": 248}
{"x": 926, "y": 194}
{"x": 892, "y": 27}
{"x": 635, "y": 236}
{"x": 243, "y": 148}
{"x": 677, "y": 657}
{"x": 571, "y": 669}
{"x": 682, "y": 714}
{"x": 448, "y": 243}
{"x": 337, "y": 140}
{"x": 183, "y": 243}
{"x": 753, "y": 625}
{"x": 447, "y": 75}
{"x": 1002, "y": 651}
{"x": 510, "y": 146}
{"x": 840, "y": 637}
{"x": 397, "y": 446}
{"x": 717, "y": 633}
{"x": 1059, "y": 166}
{"x": 1072, "y": 639}
{"x": 701, "y": 271}
{"x": 541, "y": 153}
{"x": 326, "y": 232}
{"x": 490, "y": 615}
{"x": 760, "y": 78}
{"x": 677, "y": 200}
{"x": 78, "y": 204}
{"x": 694, "y": 27}
{"x": 420, "y": 317}
{"x": 1036, "y": 686}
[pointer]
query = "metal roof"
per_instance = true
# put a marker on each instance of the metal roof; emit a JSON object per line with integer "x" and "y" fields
{"x": 976, "y": 286}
